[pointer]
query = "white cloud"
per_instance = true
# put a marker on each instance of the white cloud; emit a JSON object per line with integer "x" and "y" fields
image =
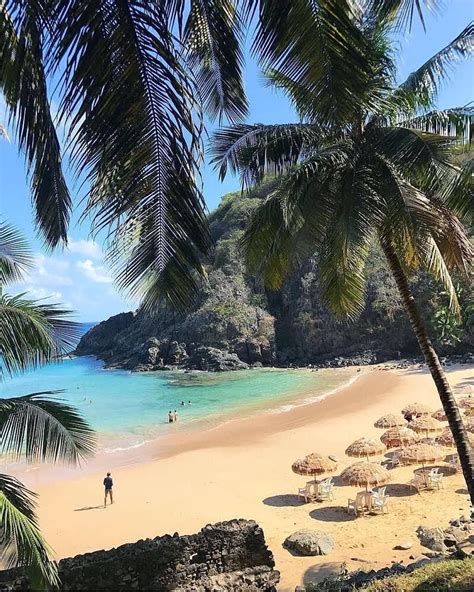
{"x": 88, "y": 248}
{"x": 41, "y": 293}
{"x": 48, "y": 272}
{"x": 96, "y": 274}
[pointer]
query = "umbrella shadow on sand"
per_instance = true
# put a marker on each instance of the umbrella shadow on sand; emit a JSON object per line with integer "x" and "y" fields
{"x": 331, "y": 514}
{"x": 284, "y": 500}
{"x": 400, "y": 490}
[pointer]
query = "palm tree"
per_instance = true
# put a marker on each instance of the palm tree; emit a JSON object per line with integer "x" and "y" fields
{"x": 355, "y": 171}
{"x": 130, "y": 80}
{"x": 32, "y": 427}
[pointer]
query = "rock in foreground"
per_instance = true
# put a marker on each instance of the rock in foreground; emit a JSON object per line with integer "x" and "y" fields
{"x": 226, "y": 556}
{"x": 309, "y": 542}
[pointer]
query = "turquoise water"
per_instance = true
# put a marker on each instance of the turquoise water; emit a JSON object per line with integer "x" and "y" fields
{"x": 127, "y": 409}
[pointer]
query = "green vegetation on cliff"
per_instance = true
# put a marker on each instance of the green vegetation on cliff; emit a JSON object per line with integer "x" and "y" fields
{"x": 235, "y": 314}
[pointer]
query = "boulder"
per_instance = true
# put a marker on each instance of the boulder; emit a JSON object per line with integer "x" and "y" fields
{"x": 431, "y": 538}
{"x": 308, "y": 542}
{"x": 404, "y": 546}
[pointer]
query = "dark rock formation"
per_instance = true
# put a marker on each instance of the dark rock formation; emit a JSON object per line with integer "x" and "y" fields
{"x": 235, "y": 315}
{"x": 227, "y": 556}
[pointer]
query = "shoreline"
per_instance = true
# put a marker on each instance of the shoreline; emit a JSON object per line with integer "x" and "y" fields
{"x": 165, "y": 444}
{"x": 242, "y": 469}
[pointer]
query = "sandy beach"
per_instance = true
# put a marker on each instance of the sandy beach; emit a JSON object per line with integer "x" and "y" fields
{"x": 242, "y": 469}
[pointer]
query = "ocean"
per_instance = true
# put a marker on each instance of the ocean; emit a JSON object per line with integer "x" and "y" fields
{"x": 128, "y": 409}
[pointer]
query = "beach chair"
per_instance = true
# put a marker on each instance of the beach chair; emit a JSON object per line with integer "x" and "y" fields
{"x": 381, "y": 491}
{"x": 418, "y": 483}
{"x": 435, "y": 479}
{"x": 325, "y": 489}
{"x": 354, "y": 507}
{"x": 379, "y": 502}
{"x": 394, "y": 460}
{"x": 308, "y": 492}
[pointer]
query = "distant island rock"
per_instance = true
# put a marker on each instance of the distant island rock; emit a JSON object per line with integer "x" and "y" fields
{"x": 237, "y": 324}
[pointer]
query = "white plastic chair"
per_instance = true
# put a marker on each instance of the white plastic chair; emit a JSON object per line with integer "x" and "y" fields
{"x": 353, "y": 508}
{"x": 325, "y": 489}
{"x": 435, "y": 480}
{"x": 379, "y": 503}
{"x": 308, "y": 492}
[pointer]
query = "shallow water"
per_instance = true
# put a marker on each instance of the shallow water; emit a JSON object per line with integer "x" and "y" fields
{"x": 128, "y": 409}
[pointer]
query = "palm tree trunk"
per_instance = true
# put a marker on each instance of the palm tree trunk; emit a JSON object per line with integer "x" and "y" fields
{"x": 450, "y": 407}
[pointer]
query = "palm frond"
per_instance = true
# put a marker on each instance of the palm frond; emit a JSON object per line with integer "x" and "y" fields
{"x": 23, "y": 82}
{"x": 32, "y": 333}
{"x": 40, "y": 429}
{"x": 422, "y": 158}
{"x": 213, "y": 37}
{"x": 140, "y": 149}
{"x": 402, "y": 11}
{"x": 421, "y": 87}
{"x": 15, "y": 256}
{"x": 458, "y": 194}
{"x": 257, "y": 150}
{"x": 320, "y": 47}
{"x": 21, "y": 542}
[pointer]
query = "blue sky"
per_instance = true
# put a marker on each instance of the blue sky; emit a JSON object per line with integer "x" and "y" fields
{"x": 78, "y": 276}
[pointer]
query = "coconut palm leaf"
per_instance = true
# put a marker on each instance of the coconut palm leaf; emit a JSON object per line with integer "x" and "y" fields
{"x": 402, "y": 11}
{"x": 41, "y": 429}
{"x": 319, "y": 47}
{"x": 21, "y": 542}
{"x": 421, "y": 87}
{"x": 258, "y": 150}
{"x": 32, "y": 333}
{"x": 15, "y": 255}
{"x": 213, "y": 37}
{"x": 139, "y": 150}
{"x": 23, "y": 83}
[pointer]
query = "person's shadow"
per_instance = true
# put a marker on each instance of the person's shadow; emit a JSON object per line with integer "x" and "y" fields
{"x": 101, "y": 507}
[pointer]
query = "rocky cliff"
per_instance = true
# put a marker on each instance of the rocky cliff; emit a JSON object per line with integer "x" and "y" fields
{"x": 237, "y": 324}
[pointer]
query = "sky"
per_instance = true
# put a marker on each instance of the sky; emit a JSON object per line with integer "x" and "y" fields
{"x": 78, "y": 276}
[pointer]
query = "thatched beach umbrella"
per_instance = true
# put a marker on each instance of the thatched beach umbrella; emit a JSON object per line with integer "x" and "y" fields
{"x": 390, "y": 421}
{"x": 447, "y": 439}
{"x": 466, "y": 403}
{"x": 314, "y": 464}
{"x": 365, "y": 447}
{"x": 396, "y": 437}
{"x": 440, "y": 415}
{"x": 416, "y": 410}
{"x": 425, "y": 425}
{"x": 365, "y": 473}
{"x": 420, "y": 454}
{"x": 470, "y": 425}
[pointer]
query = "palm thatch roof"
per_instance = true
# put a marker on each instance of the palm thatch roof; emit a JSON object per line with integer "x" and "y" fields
{"x": 390, "y": 421}
{"x": 365, "y": 473}
{"x": 396, "y": 437}
{"x": 425, "y": 424}
{"x": 314, "y": 464}
{"x": 365, "y": 447}
{"x": 416, "y": 410}
{"x": 440, "y": 415}
{"x": 420, "y": 453}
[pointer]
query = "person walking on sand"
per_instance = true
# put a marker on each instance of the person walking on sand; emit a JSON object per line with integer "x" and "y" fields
{"x": 108, "y": 484}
